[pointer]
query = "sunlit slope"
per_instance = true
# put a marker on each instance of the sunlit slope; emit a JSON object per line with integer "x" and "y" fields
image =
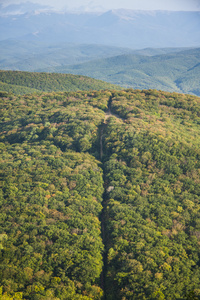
{"x": 96, "y": 181}
{"x": 51, "y": 196}
{"x": 152, "y": 163}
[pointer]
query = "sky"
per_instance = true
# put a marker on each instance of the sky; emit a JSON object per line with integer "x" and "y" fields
{"x": 95, "y": 5}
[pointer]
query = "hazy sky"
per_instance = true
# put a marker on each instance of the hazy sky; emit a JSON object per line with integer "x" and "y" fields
{"x": 113, "y": 4}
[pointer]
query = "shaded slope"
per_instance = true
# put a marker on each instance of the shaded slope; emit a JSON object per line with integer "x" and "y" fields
{"x": 19, "y": 82}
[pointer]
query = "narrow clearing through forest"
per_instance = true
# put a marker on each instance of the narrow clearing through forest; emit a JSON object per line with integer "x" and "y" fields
{"x": 108, "y": 115}
{"x": 103, "y": 217}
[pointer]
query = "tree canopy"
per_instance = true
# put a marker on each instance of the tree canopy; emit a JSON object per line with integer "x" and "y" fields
{"x": 100, "y": 195}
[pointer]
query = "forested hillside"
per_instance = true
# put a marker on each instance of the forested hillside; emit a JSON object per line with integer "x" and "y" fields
{"x": 100, "y": 195}
{"x": 167, "y": 69}
{"x": 39, "y": 57}
{"x": 18, "y": 82}
{"x": 34, "y": 56}
{"x": 176, "y": 71}
{"x": 152, "y": 204}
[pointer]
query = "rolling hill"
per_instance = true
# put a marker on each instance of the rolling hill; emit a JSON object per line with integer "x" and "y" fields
{"x": 100, "y": 195}
{"x": 177, "y": 71}
{"x": 32, "y": 56}
{"x": 18, "y": 82}
{"x": 39, "y": 56}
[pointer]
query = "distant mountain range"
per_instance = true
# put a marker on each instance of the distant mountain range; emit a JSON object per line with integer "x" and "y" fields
{"x": 168, "y": 69}
{"x": 121, "y": 28}
{"x": 33, "y": 55}
{"x": 39, "y": 56}
{"x": 22, "y": 8}
{"x": 105, "y": 45}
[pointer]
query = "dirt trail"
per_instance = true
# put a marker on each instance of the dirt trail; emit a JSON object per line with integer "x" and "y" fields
{"x": 103, "y": 126}
{"x": 110, "y": 114}
{"x": 103, "y": 220}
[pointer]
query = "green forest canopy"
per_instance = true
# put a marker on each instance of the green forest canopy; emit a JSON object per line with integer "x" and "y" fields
{"x": 19, "y": 82}
{"x": 68, "y": 212}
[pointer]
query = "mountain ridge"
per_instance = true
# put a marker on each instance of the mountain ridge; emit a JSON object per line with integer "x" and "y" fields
{"x": 150, "y": 29}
